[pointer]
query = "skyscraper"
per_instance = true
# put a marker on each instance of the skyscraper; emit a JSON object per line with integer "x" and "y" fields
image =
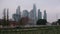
{"x": 18, "y": 13}
{"x": 34, "y": 11}
{"x": 45, "y": 15}
{"x": 33, "y": 15}
{"x": 39, "y": 14}
{"x": 17, "y": 16}
{"x": 18, "y": 10}
{"x": 25, "y": 13}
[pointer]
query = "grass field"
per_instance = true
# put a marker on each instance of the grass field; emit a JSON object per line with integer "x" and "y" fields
{"x": 33, "y": 30}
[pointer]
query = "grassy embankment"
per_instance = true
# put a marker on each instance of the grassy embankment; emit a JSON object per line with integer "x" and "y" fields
{"x": 33, "y": 30}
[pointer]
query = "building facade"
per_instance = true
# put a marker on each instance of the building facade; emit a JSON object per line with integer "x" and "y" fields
{"x": 39, "y": 14}
{"x": 17, "y": 16}
{"x": 45, "y": 15}
{"x": 25, "y": 13}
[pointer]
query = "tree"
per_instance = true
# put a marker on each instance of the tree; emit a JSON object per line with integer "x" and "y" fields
{"x": 41, "y": 22}
{"x": 58, "y": 21}
{"x": 54, "y": 23}
{"x": 5, "y": 22}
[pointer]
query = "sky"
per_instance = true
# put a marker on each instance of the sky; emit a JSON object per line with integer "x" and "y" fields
{"x": 52, "y": 7}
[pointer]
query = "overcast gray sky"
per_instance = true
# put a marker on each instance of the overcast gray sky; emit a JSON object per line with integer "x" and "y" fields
{"x": 52, "y": 7}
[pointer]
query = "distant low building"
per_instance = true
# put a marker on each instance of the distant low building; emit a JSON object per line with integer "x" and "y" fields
{"x": 13, "y": 23}
{"x": 24, "y": 21}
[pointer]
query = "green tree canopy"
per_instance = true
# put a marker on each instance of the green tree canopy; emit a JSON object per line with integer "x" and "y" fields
{"x": 41, "y": 22}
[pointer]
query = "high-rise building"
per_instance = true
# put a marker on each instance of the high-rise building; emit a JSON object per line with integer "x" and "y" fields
{"x": 31, "y": 15}
{"x": 18, "y": 10}
{"x": 45, "y": 15}
{"x": 34, "y": 11}
{"x": 18, "y": 13}
{"x": 39, "y": 14}
{"x": 25, "y": 13}
{"x": 17, "y": 16}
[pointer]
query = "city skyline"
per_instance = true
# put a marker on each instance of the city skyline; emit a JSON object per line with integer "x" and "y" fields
{"x": 32, "y": 15}
{"x": 52, "y": 7}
